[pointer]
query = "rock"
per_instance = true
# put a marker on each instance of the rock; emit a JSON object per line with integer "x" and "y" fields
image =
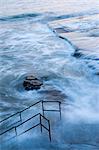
{"x": 32, "y": 83}
{"x": 77, "y": 54}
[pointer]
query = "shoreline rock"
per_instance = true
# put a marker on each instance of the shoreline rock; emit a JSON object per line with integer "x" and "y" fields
{"x": 32, "y": 83}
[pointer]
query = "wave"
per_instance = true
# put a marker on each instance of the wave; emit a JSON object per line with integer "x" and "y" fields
{"x": 91, "y": 60}
{"x": 20, "y": 16}
{"x": 72, "y": 15}
{"x": 49, "y": 16}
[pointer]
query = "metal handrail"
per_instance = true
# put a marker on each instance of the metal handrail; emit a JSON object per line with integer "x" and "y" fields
{"x": 41, "y": 125}
{"x": 19, "y": 124}
{"x": 48, "y": 129}
{"x": 41, "y": 116}
{"x": 56, "y": 110}
{"x": 19, "y": 112}
{"x": 30, "y": 107}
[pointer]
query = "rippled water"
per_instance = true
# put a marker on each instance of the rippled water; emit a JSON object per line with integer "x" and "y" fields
{"x": 68, "y": 67}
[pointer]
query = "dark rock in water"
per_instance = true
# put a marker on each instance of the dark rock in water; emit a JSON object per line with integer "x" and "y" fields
{"x": 77, "y": 54}
{"x": 32, "y": 83}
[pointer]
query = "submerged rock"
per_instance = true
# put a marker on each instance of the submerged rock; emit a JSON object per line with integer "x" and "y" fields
{"x": 77, "y": 54}
{"x": 32, "y": 83}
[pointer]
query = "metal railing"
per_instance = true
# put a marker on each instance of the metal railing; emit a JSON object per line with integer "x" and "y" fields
{"x": 55, "y": 110}
{"x": 49, "y": 128}
{"x": 40, "y": 115}
{"x": 20, "y": 112}
{"x": 38, "y": 124}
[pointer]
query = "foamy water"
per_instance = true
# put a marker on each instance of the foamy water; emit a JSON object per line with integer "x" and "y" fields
{"x": 29, "y": 46}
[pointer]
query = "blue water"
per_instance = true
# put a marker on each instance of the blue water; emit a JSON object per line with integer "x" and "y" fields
{"x": 28, "y": 45}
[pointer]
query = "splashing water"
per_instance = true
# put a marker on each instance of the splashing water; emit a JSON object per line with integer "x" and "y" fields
{"x": 29, "y": 46}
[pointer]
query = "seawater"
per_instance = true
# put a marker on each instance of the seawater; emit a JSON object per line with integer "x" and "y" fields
{"x": 29, "y": 46}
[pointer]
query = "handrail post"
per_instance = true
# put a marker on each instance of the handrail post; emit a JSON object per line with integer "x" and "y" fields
{"x": 20, "y": 116}
{"x": 40, "y": 122}
{"x": 42, "y": 107}
{"x": 15, "y": 131}
{"x": 60, "y": 109}
{"x": 49, "y": 130}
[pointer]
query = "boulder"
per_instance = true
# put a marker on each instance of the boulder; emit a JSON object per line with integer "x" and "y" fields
{"x": 32, "y": 83}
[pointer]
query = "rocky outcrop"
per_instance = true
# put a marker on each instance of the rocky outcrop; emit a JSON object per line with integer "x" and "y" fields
{"x": 32, "y": 83}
